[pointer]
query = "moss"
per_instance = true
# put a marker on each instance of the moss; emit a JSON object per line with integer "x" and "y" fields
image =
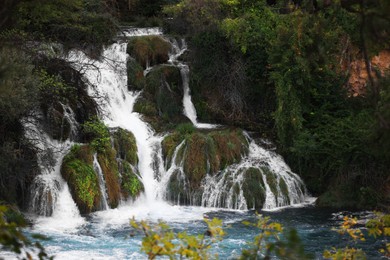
{"x": 97, "y": 134}
{"x": 125, "y": 146}
{"x": 107, "y": 161}
{"x": 152, "y": 49}
{"x": 271, "y": 180}
{"x": 195, "y": 159}
{"x": 284, "y": 189}
{"x": 229, "y": 146}
{"x": 83, "y": 183}
{"x": 204, "y": 152}
{"x": 145, "y": 107}
{"x": 177, "y": 191}
{"x": 161, "y": 100}
{"x": 254, "y": 188}
{"x": 135, "y": 75}
{"x": 130, "y": 184}
{"x": 163, "y": 87}
{"x": 169, "y": 145}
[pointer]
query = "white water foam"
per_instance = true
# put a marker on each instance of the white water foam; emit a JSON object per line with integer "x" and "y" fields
{"x": 102, "y": 182}
{"x": 133, "y": 31}
{"x": 49, "y": 189}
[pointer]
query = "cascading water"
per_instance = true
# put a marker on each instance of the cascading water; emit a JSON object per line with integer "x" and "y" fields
{"x": 224, "y": 189}
{"x": 102, "y": 183}
{"x": 109, "y": 79}
{"x": 189, "y": 108}
{"x": 50, "y": 194}
{"x": 281, "y": 187}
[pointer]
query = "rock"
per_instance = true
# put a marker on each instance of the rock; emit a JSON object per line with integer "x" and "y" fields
{"x": 77, "y": 170}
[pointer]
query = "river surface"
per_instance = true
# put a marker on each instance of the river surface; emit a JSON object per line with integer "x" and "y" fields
{"x": 106, "y": 234}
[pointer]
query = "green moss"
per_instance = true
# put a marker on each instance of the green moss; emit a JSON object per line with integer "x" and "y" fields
{"x": 130, "y": 183}
{"x": 271, "y": 180}
{"x": 195, "y": 159}
{"x": 125, "y": 146}
{"x": 78, "y": 171}
{"x": 204, "y": 152}
{"x": 177, "y": 191}
{"x": 109, "y": 166}
{"x": 229, "y": 147}
{"x": 97, "y": 134}
{"x": 284, "y": 189}
{"x": 254, "y": 188}
{"x": 135, "y": 75}
{"x": 152, "y": 49}
{"x": 169, "y": 145}
{"x": 145, "y": 107}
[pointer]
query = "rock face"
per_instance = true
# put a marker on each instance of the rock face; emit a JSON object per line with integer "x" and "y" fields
{"x": 357, "y": 82}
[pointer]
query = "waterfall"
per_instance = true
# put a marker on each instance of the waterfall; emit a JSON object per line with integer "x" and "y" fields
{"x": 49, "y": 192}
{"x": 282, "y": 187}
{"x": 189, "y": 108}
{"x": 70, "y": 117}
{"x": 108, "y": 79}
{"x": 108, "y": 86}
{"x": 102, "y": 183}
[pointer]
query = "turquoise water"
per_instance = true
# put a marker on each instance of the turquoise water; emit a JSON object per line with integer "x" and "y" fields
{"x": 100, "y": 238}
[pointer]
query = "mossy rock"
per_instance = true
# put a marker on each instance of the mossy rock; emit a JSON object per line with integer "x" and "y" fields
{"x": 169, "y": 145}
{"x": 254, "y": 188}
{"x": 231, "y": 145}
{"x": 135, "y": 75}
{"x": 271, "y": 180}
{"x": 196, "y": 159}
{"x": 163, "y": 87}
{"x": 204, "y": 152}
{"x": 152, "y": 49}
{"x": 77, "y": 170}
{"x": 109, "y": 165}
{"x": 284, "y": 190}
{"x": 177, "y": 189}
{"x": 131, "y": 185}
{"x": 125, "y": 146}
{"x": 145, "y": 107}
{"x": 161, "y": 99}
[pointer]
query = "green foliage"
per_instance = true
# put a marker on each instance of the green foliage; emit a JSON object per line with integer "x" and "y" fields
{"x": 379, "y": 226}
{"x": 131, "y": 184}
{"x": 52, "y": 88}
{"x": 185, "y": 129}
{"x": 13, "y": 239}
{"x": 97, "y": 133}
{"x": 125, "y": 146}
{"x": 18, "y": 85}
{"x": 269, "y": 242}
{"x": 74, "y": 22}
{"x": 160, "y": 240}
{"x": 78, "y": 171}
